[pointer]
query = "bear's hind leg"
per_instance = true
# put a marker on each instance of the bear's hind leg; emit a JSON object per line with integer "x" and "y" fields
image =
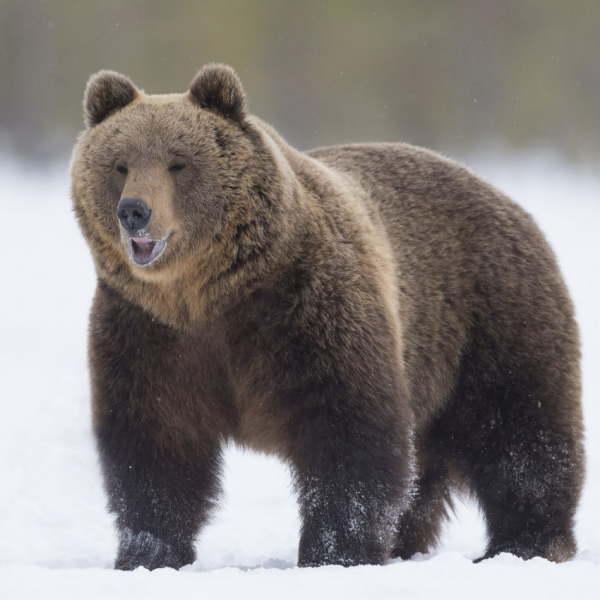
{"x": 420, "y": 526}
{"x": 516, "y": 435}
{"x": 528, "y": 491}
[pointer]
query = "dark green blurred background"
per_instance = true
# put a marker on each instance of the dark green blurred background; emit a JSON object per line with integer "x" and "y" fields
{"x": 452, "y": 75}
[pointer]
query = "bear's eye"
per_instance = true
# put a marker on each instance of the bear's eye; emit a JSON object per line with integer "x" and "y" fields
{"x": 176, "y": 167}
{"x": 122, "y": 169}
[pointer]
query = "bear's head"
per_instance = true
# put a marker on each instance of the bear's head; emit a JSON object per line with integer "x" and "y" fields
{"x": 165, "y": 184}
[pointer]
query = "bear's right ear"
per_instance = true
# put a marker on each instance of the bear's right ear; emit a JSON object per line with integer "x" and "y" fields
{"x": 105, "y": 93}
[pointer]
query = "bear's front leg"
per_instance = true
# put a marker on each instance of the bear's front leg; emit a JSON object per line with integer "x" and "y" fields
{"x": 354, "y": 476}
{"x": 155, "y": 434}
{"x": 160, "y": 503}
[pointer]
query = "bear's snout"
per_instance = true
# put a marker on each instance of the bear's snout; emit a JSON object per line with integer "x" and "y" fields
{"x": 133, "y": 213}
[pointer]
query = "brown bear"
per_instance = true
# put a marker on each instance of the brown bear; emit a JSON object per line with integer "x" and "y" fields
{"x": 389, "y": 325}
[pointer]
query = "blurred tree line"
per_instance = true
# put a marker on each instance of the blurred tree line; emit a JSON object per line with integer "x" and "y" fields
{"x": 450, "y": 75}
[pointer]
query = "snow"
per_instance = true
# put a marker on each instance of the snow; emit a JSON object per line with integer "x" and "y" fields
{"x": 56, "y": 539}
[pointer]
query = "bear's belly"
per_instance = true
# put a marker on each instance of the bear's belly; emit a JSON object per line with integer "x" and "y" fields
{"x": 260, "y": 425}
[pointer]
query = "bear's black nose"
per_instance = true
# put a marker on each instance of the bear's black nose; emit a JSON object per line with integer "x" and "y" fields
{"x": 133, "y": 213}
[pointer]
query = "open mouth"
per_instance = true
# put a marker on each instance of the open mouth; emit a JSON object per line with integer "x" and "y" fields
{"x": 143, "y": 251}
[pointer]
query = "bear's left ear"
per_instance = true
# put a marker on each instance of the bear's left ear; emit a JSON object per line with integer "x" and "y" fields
{"x": 217, "y": 88}
{"x": 105, "y": 93}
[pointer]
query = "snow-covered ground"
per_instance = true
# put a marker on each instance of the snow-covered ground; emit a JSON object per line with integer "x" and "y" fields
{"x": 56, "y": 539}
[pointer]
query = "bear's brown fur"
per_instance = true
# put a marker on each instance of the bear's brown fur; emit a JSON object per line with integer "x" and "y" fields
{"x": 377, "y": 316}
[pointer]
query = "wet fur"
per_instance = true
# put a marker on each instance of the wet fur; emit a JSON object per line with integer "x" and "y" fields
{"x": 375, "y": 315}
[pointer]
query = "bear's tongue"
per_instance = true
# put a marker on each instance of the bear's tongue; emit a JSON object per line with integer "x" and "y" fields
{"x": 141, "y": 249}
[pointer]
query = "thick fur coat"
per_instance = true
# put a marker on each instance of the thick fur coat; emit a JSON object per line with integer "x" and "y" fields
{"x": 385, "y": 322}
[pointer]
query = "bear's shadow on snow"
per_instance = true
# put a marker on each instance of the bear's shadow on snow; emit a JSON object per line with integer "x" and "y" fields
{"x": 271, "y": 563}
